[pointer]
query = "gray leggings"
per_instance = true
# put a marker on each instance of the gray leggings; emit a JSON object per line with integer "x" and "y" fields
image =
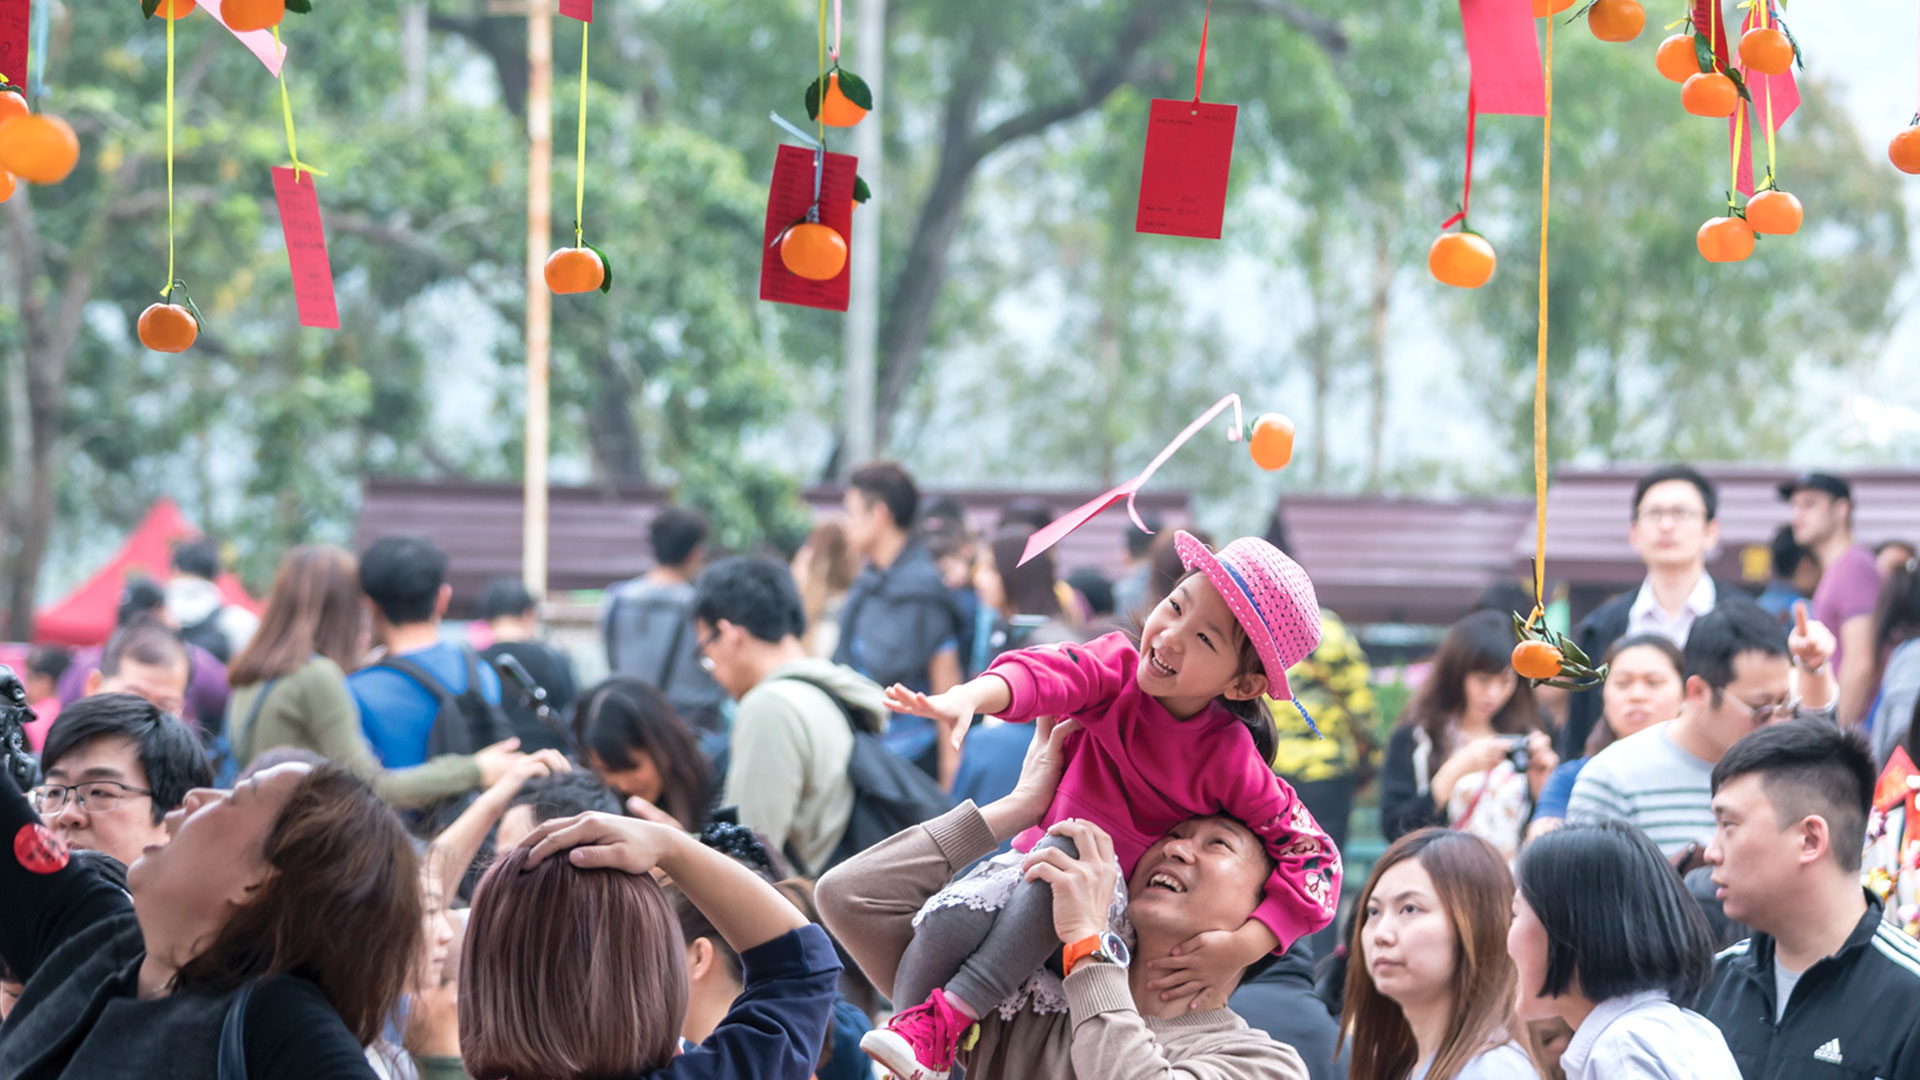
{"x": 981, "y": 957}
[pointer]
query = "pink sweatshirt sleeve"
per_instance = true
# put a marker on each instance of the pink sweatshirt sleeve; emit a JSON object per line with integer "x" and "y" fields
{"x": 1304, "y": 891}
{"x": 1065, "y": 680}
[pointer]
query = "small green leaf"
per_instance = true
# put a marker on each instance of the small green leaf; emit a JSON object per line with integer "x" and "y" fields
{"x": 1739, "y": 84}
{"x": 300, "y": 7}
{"x": 814, "y": 90}
{"x": 606, "y": 280}
{"x": 861, "y": 193}
{"x": 1573, "y": 653}
{"x": 1703, "y": 51}
{"x": 856, "y": 89}
{"x": 148, "y": 7}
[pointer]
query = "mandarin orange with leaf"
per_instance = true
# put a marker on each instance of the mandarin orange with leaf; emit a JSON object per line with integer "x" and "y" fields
{"x": 1271, "y": 443}
{"x": 168, "y": 328}
{"x": 1537, "y": 660}
{"x": 1462, "y": 259}
{"x": 175, "y": 9}
{"x": 814, "y": 251}
{"x": 1904, "y": 150}
{"x": 575, "y": 270}
{"x": 1709, "y": 93}
{"x": 1767, "y": 50}
{"x": 1677, "y": 59}
{"x": 245, "y": 15}
{"x": 12, "y": 105}
{"x": 1616, "y": 20}
{"x": 1724, "y": 239}
{"x": 1774, "y": 212}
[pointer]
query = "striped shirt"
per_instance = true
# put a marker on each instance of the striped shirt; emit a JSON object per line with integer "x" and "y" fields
{"x": 1648, "y": 781}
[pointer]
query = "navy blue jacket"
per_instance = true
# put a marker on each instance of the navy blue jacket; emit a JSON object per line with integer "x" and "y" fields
{"x": 777, "y": 1026}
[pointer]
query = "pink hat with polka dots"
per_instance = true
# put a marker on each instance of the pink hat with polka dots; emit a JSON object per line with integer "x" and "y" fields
{"x": 1271, "y": 596}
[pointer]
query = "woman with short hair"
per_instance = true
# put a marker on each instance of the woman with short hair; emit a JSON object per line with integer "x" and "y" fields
{"x": 575, "y": 965}
{"x": 1606, "y": 938}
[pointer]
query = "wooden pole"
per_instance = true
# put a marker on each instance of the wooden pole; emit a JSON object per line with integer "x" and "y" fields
{"x": 863, "y": 309}
{"x": 539, "y": 300}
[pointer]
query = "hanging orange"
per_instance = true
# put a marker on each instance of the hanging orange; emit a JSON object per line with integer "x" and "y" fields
{"x": 1537, "y": 660}
{"x": 38, "y": 149}
{"x": 1543, "y": 8}
{"x": 1709, "y": 94}
{"x": 1272, "y": 442}
{"x": 1676, "y": 58}
{"x": 1774, "y": 212}
{"x": 12, "y": 105}
{"x": 168, "y": 328}
{"x": 1904, "y": 150}
{"x": 1462, "y": 259}
{"x": 814, "y": 251}
{"x": 1725, "y": 239}
{"x": 836, "y": 109}
{"x": 245, "y": 15}
{"x": 575, "y": 270}
{"x": 175, "y": 9}
{"x": 1616, "y": 20}
{"x": 6, "y": 186}
{"x": 1766, "y": 50}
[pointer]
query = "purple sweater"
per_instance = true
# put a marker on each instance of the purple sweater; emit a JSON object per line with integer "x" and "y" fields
{"x": 1137, "y": 772}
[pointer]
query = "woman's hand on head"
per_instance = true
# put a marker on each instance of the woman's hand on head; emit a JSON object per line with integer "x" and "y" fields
{"x": 533, "y": 766}
{"x": 646, "y": 811}
{"x": 604, "y": 841}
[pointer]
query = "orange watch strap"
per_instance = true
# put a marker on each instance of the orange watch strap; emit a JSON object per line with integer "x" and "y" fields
{"x": 1077, "y": 951}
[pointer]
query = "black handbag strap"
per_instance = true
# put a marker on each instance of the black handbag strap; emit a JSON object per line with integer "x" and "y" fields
{"x": 253, "y": 715}
{"x": 233, "y": 1036}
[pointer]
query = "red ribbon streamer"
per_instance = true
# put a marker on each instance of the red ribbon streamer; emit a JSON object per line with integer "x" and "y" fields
{"x": 1200, "y": 70}
{"x": 1466, "y": 186}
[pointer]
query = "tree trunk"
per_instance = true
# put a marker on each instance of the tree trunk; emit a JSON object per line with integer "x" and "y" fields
{"x": 611, "y": 435}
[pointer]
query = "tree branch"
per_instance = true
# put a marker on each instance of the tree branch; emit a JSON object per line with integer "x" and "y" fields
{"x": 1140, "y": 28}
{"x": 399, "y": 236}
{"x": 1325, "y": 31}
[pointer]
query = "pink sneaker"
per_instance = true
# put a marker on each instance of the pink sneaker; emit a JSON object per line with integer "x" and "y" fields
{"x": 919, "y": 1044}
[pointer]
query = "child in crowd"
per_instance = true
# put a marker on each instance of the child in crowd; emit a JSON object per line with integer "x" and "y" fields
{"x": 1170, "y": 729}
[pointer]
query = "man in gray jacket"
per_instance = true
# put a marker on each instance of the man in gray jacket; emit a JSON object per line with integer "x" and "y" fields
{"x": 792, "y": 741}
{"x": 646, "y": 627}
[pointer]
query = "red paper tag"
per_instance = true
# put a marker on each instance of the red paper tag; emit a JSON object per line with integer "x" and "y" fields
{"x": 1183, "y": 181}
{"x": 1504, "y": 51}
{"x": 306, "y": 248}
{"x": 36, "y": 848}
{"x": 577, "y": 9}
{"x": 14, "y": 15}
{"x": 788, "y": 198}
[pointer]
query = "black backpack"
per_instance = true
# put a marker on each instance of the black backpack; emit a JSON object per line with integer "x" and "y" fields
{"x": 465, "y": 723}
{"x": 207, "y": 634}
{"x": 890, "y": 793}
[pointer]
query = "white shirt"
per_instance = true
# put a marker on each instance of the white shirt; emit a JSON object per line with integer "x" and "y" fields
{"x": 1647, "y": 1037}
{"x": 1645, "y": 616}
{"x": 1507, "y": 1062}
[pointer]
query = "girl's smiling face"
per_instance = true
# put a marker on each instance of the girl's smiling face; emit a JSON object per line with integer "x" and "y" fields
{"x": 1192, "y": 649}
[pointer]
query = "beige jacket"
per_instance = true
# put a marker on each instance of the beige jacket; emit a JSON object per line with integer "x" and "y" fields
{"x": 869, "y": 902}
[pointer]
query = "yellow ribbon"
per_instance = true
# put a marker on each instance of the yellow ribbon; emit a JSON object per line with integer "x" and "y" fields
{"x": 1540, "y": 366}
{"x": 167, "y": 291}
{"x": 820, "y": 114}
{"x": 286, "y": 113}
{"x": 580, "y": 151}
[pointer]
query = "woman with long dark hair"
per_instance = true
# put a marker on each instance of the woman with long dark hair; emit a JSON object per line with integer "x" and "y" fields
{"x": 628, "y": 733}
{"x": 1896, "y": 644}
{"x": 289, "y": 685}
{"x": 1430, "y": 988}
{"x": 1468, "y": 751}
{"x": 286, "y": 912}
{"x": 1019, "y": 605}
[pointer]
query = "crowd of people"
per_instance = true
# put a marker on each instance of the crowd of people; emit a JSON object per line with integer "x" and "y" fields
{"x": 909, "y": 803}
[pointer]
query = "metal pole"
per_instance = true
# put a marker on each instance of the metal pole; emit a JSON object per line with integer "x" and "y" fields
{"x": 863, "y": 307}
{"x": 539, "y": 300}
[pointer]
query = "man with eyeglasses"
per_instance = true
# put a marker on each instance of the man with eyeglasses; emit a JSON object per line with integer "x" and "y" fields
{"x": 1739, "y": 665}
{"x": 113, "y": 767}
{"x": 1673, "y": 529}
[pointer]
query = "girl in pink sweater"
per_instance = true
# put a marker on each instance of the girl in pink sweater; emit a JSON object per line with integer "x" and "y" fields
{"x": 1169, "y": 730}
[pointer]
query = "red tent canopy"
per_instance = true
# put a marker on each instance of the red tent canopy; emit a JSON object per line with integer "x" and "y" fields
{"x": 86, "y": 616}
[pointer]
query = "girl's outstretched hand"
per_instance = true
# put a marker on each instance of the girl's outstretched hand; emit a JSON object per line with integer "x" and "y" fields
{"x": 952, "y": 711}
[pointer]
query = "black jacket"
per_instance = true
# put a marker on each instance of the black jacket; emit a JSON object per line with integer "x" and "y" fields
{"x": 1280, "y": 1001}
{"x": 1406, "y": 800}
{"x": 1595, "y": 634}
{"x": 1855, "y": 1014}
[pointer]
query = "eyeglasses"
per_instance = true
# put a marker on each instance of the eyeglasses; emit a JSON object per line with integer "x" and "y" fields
{"x": 1671, "y": 515}
{"x": 1762, "y": 715}
{"x": 702, "y": 645}
{"x": 94, "y": 797}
